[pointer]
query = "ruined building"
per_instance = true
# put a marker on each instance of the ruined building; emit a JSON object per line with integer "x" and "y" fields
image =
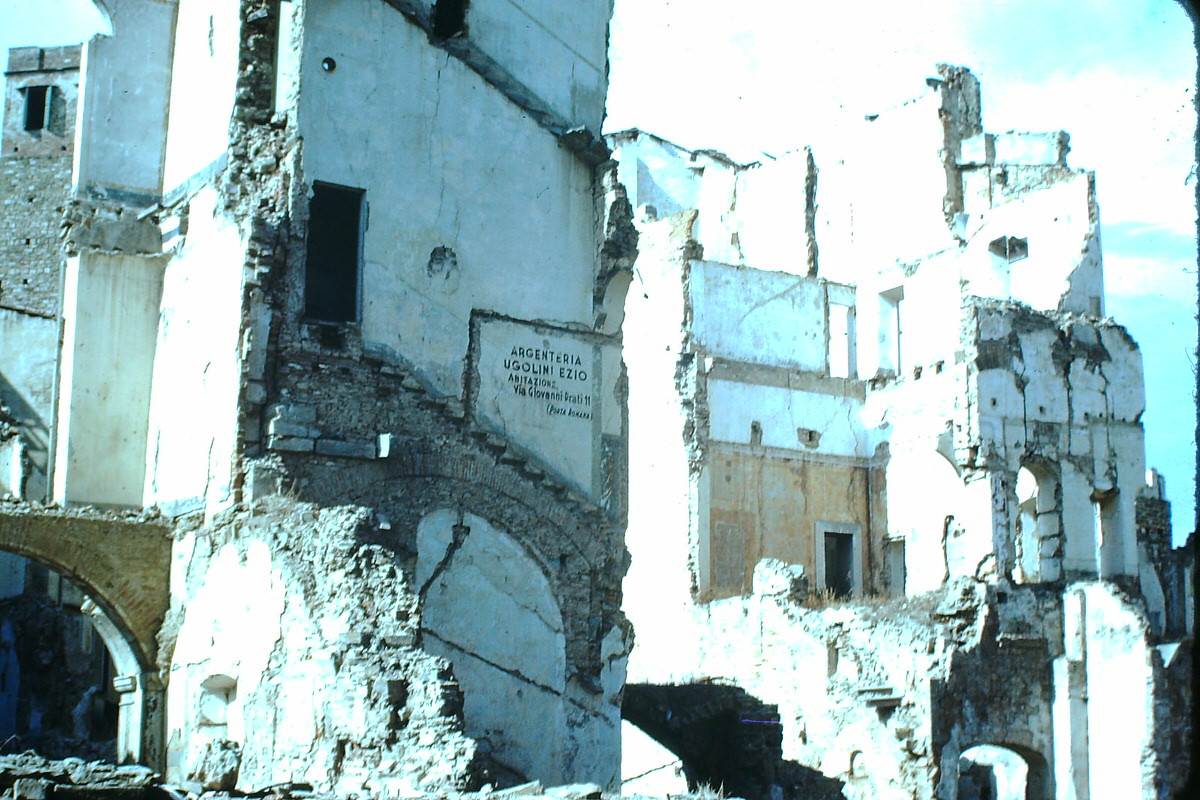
{"x": 324, "y": 392}
{"x": 312, "y": 378}
{"x": 890, "y": 521}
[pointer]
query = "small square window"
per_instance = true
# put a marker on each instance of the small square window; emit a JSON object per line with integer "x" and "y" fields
{"x": 449, "y": 18}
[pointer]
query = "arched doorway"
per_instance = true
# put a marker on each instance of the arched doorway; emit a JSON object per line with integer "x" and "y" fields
{"x": 1037, "y": 531}
{"x": 996, "y": 772}
{"x": 122, "y": 566}
{"x": 488, "y": 608}
{"x": 69, "y": 678}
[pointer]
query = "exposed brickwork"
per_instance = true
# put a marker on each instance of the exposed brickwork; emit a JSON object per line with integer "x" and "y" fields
{"x": 35, "y": 176}
{"x": 122, "y": 562}
{"x": 33, "y": 193}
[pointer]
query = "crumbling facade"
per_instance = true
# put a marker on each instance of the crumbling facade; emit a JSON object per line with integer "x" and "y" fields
{"x": 325, "y": 390}
{"x": 907, "y": 508}
{"x": 334, "y": 311}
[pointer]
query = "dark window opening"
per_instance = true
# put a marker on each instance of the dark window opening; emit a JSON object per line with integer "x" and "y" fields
{"x": 449, "y": 18}
{"x": 398, "y": 701}
{"x": 37, "y": 108}
{"x": 335, "y": 216}
{"x": 839, "y": 563}
{"x": 1010, "y": 248}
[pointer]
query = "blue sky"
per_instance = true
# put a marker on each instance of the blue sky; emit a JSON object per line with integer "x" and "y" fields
{"x": 763, "y": 76}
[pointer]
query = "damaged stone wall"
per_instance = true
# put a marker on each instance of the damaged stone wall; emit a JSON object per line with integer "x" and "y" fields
{"x": 462, "y": 490}
{"x": 314, "y": 669}
{"x": 988, "y": 420}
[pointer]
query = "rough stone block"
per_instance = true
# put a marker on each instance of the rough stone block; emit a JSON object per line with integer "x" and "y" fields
{"x": 65, "y": 57}
{"x": 346, "y": 449}
{"x": 291, "y": 444}
{"x": 256, "y": 393}
{"x": 297, "y": 413}
{"x": 279, "y": 427}
{"x": 32, "y": 788}
{"x": 24, "y": 59}
{"x": 262, "y": 480}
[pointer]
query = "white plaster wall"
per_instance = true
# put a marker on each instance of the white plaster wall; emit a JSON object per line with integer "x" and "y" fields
{"x": 464, "y": 169}
{"x": 733, "y": 406}
{"x": 193, "y": 403}
{"x": 541, "y": 42}
{"x": 1064, "y": 268}
{"x": 1120, "y": 697}
{"x": 203, "y": 77}
{"x": 881, "y": 192}
{"x": 759, "y": 317}
{"x": 930, "y": 314}
{"x": 751, "y": 214}
{"x": 507, "y": 646}
{"x": 1028, "y": 149}
{"x": 716, "y": 200}
{"x": 768, "y": 215}
{"x": 110, "y": 321}
{"x": 28, "y": 351}
{"x": 125, "y": 85}
{"x": 28, "y": 362}
{"x": 663, "y": 503}
{"x": 229, "y": 633}
{"x": 656, "y": 172}
{"x": 923, "y": 490}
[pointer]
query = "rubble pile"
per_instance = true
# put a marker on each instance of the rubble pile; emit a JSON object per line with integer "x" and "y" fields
{"x": 29, "y": 776}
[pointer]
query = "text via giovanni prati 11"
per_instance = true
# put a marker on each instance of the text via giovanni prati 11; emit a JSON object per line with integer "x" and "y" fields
{"x": 557, "y": 381}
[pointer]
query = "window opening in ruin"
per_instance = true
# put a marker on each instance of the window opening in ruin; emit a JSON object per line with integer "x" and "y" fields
{"x": 843, "y": 350}
{"x": 755, "y": 432}
{"x": 893, "y": 555}
{"x": 335, "y": 233}
{"x": 37, "y": 107}
{"x": 1109, "y": 558}
{"x": 398, "y": 703}
{"x": 449, "y": 18}
{"x": 1009, "y": 248}
{"x": 1028, "y": 567}
{"x": 890, "y": 330}
{"x": 839, "y": 563}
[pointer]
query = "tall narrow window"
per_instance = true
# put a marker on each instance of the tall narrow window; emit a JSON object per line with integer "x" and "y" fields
{"x": 449, "y": 18}
{"x": 37, "y": 107}
{"x": 843, "y": 350}
{"x": 331, "y": 275}
{"x": 890, "y": 330}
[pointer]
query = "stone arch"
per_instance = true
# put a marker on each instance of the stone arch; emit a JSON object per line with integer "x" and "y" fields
{"x": 574, "y": 541}
{"x": 488, "y": 607}
{"x": 1003, "y": 772}
{"x": 1037, "y": 524}
{"x": 725, "y": 738}
{"x": 123, "y": 567}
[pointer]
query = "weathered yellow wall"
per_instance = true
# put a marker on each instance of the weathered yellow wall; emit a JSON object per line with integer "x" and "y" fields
{"x": 775, "y": 501}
